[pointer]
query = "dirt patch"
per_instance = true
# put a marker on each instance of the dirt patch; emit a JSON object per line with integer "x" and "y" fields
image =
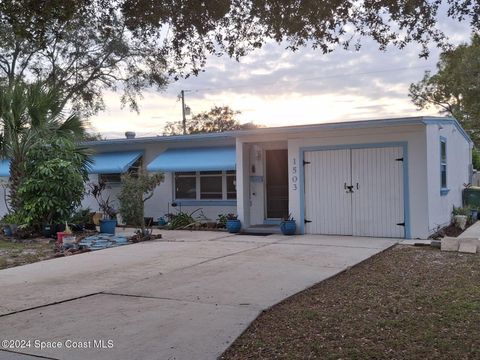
{"x": 24, "y": 252}
{"x": 406, "y": 303}
{"x": 451, "y": 230}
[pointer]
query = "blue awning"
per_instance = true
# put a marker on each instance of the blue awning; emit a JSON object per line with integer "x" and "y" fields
{"x": 113, "y": 162}
{"x": 5, "y": 168}
{"x": 195, "y": 159}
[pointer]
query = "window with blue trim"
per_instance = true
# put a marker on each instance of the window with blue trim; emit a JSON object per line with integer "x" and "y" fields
{"x": 205, "y": 185}
{"x": 116, "y": 178}
{"x": 443, "y": 166}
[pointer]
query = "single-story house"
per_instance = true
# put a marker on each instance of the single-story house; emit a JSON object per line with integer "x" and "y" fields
{"x": 384, "y": 178}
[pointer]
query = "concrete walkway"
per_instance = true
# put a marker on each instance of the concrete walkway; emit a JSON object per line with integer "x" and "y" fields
{"x": 187, "y": 296}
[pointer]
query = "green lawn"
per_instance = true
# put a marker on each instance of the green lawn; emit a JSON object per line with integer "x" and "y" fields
{"x": 406, "y": 303}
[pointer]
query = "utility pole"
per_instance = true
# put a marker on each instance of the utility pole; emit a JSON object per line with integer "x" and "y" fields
{"x": 184, "y": 120}
{"x": 185, "y": 110}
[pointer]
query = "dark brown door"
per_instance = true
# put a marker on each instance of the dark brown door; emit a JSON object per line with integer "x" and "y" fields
{"x": 277, "y": 183}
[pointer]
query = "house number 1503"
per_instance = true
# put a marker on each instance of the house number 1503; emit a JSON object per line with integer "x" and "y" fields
{"x": 294, "y": 178}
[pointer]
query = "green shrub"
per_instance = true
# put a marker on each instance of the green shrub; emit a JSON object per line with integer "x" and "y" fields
{"x": 222, "y": 221}
{"x": 12, "y": 218}
{"x": 181, "y": 219}
{"x": 136, "y": 189}
{"x": 81, "y": 216}
{"x": 53, "y": 185}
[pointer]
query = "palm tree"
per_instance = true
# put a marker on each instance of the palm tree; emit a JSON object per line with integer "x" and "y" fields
{"x": 28, "y": 113}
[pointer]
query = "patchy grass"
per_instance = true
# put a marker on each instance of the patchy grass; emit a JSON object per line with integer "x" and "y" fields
{"x": 26, "y": 252}
{"x": 406, "y": 303}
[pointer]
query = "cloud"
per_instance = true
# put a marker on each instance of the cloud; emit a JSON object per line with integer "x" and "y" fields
{"x": 274, "y": 86}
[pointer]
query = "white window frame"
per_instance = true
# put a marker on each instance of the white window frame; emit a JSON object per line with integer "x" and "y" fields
{"x": 444, "y": 163}
{"x": 198, "y": 175}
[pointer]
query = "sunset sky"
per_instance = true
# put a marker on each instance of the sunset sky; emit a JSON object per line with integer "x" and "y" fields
{"x": 275, "y": 87}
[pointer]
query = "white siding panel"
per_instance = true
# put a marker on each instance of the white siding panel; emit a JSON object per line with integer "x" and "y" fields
{"x": 327, "y": 203}
{"x": 378, "y": 201}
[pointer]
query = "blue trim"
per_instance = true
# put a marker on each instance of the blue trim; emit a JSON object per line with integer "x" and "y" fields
{"x": 272, "y": 222}
{"x": 113, "y": 162}
{"x": 5, "y": 168}
{"x": 448, "y": 121}
{"x": 406, "y": 195}
{"x": 444, "y": 191}
{"x": 406, "y": 192}
{"x": 301, "y": 188}
{"x": 206, "y": 202}
{"x": 217, "y": 158}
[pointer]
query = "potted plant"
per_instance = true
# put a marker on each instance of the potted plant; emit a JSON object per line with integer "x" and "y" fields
{"x": 473, "y": 215}
{"x": 109, "y": 221}
{"x": 288, "y": 225}
{"x": 10, "y": 224}
{"x": 233, "y": 224}
{"x": 460, "y": 216}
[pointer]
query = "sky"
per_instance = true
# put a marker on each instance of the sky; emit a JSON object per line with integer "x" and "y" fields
{"x": 277, "y": 87}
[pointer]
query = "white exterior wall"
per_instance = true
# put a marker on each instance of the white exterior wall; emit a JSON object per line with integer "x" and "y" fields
{"x": 459, "y": 160}
{"x": 243, "y": 188}
{"x": 414, "y": 135}
{"x": 3, "y": 198}
{"x": 158, "y": 205}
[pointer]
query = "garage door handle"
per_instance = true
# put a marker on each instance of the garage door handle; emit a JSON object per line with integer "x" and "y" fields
{"x": 357, "y": 186}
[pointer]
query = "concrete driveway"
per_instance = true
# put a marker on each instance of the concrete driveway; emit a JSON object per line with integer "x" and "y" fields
{"x": 187, "y": 296}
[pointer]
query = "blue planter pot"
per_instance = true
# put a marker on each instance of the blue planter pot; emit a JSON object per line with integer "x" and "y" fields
{"x": 288, "y": 227}
{"x": 7, "y": 230}
{"x": 108, "y": 226}
{"x": 474, "y": 214}
{"x": 162, "y": 221}
{"x": 234, "y": 226}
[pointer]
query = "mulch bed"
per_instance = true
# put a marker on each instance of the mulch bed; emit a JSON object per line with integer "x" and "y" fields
{"x": 405, "y": 303}
{"x": 450, "y": 230}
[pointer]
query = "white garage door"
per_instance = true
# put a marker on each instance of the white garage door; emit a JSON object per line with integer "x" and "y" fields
{"x": 355, "y": 192}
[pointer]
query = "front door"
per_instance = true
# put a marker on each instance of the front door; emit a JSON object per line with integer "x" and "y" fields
{"x": 276, "y": 183}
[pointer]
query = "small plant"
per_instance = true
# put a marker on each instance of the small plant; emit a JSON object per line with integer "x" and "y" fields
{"x": 104, "y": 203}
{"x": 13, "y": 218}
{"x": 182, "y": 219}
{"x": 461, "y": 211}
{"x": 222, "y": 221}
{"x": 232, "y": 217}
{"x": 288, "y": 217}
{"x": 136, "y": 189}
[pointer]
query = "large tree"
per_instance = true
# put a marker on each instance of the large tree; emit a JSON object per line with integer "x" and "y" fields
{"x": 455, "y": 87}
{"x": 217, "y": 119}
{"x": 86, "y": 46}
{"x": 28, "y": 114}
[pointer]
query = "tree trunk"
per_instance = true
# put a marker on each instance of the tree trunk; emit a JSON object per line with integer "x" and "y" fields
{"x": 16, "y": 175}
